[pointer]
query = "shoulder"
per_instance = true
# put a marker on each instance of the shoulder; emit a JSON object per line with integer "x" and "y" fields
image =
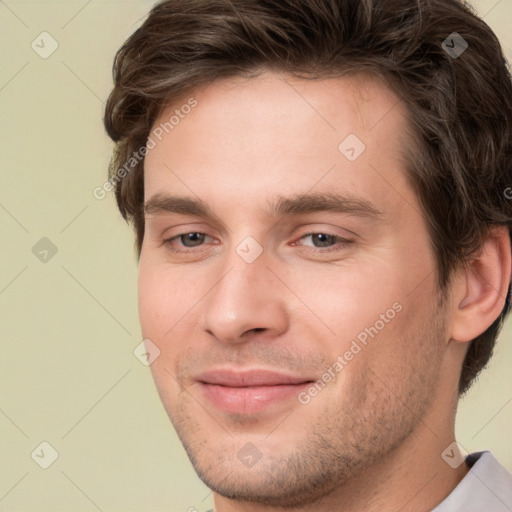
{"x": 487, "y": 486}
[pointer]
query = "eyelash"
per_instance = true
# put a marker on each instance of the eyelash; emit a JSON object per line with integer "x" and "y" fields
{"x": 339, "y": 242}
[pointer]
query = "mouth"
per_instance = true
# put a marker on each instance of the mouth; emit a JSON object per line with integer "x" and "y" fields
{"x": 250, "y": 391}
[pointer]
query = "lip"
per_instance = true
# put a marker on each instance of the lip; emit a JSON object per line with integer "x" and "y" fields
{"x": 252, "y": 377}
{"x": 249, "y": 391}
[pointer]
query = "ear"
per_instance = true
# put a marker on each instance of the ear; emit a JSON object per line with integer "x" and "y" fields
{"x": 479, "y": 290}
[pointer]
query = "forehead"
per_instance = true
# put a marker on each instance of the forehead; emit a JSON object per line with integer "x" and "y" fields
{"x": 276, "y": 133}
{"x": 363, "y": 99}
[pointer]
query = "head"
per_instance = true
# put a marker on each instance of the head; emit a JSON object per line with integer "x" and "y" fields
{"x": 251, "y": 107}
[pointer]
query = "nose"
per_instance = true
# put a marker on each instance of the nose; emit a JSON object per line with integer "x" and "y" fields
{"x": 247, "y": 298}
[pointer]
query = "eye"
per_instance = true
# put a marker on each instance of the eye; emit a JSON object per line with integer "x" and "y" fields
{"x": 321, "y": 242}
{"x": 326, "y": 240}
{"x": 189, "y": 240}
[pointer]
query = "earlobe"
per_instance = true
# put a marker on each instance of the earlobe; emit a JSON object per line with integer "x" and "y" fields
{"x": 479, "y": 290}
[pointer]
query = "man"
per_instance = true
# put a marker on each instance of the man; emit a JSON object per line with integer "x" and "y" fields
{"x": 319, "y": 191}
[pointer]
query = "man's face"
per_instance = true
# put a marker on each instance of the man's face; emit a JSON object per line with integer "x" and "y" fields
{"x": 257, "y": 306}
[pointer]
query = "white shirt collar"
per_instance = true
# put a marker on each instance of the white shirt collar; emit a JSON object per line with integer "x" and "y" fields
{"x": 486, "y": 487}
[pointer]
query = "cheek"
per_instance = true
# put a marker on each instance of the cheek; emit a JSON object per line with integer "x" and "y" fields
{"x": 162, "y": 298}
{"x": 349, "y": 299}
{"x": 161, "y": 305}
{"x": 150, "y": 303}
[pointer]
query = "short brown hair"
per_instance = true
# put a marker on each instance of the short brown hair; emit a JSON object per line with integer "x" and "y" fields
{"x": 460, "y": 106}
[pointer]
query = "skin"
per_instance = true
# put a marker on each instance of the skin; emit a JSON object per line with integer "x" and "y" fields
{"x": 372, "y": 438}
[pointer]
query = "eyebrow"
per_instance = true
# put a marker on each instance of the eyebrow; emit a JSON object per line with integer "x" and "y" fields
{"x": 298, "y": 204}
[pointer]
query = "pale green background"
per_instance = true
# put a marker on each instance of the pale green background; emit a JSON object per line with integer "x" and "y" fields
{"x": 69, "y": 326}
